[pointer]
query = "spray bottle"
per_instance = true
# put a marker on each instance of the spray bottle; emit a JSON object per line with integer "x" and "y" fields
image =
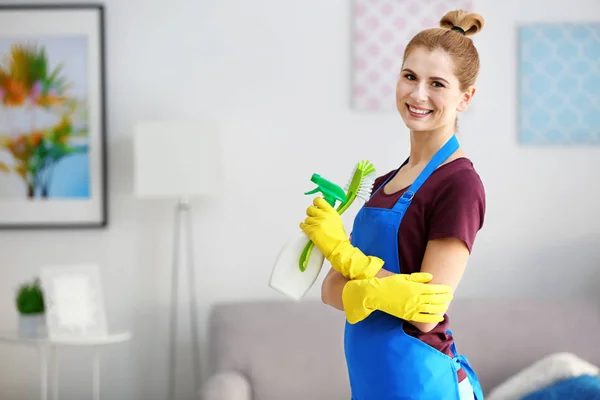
{"x": 331, "y": 193}
{"x": 299, "y": 263}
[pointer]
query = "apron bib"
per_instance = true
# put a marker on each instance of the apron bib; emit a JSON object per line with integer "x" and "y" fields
{"x": 384, "y": 363}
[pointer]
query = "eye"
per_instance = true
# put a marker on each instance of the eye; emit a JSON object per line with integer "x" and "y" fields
{"x": 438, "y": 84}
{"x": 410, "y": 77}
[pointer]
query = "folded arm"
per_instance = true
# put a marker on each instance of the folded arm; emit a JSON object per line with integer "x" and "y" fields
{"x": 446, "y": 260}
{"x": 332, "y": 288}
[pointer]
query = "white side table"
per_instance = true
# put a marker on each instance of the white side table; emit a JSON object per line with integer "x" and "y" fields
{"x": 47, "y": 349}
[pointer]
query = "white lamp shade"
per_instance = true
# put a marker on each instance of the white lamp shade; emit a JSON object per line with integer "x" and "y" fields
{"x": 175, "y": 159}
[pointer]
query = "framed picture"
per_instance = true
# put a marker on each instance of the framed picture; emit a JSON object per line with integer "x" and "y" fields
{"x": 53, "y": 170}
{"x": 559, "y": 84}
{"x": 74, "y": 302}
{"x": 380, "y": 31}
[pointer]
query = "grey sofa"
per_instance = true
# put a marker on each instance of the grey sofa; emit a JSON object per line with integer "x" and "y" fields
{"x": 283, "y": 350}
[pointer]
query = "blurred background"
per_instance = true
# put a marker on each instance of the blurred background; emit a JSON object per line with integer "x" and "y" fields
{"x": 287, "y": 85}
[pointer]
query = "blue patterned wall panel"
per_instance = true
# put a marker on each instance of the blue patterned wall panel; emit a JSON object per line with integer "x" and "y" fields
{"x": 559, "y": 84}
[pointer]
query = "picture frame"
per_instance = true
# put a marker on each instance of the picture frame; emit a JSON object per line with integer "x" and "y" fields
{"x": 379, "y": 33}
{"x": 53, "y": 145}
{"x": 74, "y": 301}
{"x": 558, "y": 87}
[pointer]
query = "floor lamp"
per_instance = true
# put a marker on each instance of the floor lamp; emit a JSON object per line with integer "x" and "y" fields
{"x": 178, "y": 160}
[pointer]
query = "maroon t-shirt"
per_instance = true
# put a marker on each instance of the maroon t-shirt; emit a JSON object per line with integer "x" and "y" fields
{"x": 450, "y": 204}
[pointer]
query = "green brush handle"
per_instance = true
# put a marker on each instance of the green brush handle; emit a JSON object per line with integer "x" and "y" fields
{"x": 305, "y": 255}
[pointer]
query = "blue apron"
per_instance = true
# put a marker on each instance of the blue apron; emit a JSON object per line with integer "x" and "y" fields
{"x": 385, "y": 363}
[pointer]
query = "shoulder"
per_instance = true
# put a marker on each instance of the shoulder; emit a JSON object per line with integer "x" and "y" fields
{"x": 456, "y": 206}
{"x": 458, "y": 191}
{"x": 459, "y": 179}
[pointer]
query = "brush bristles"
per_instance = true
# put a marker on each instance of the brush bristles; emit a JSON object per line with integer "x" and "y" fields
{"x": 366, "y": 187}
{"x": 367, "y": 182}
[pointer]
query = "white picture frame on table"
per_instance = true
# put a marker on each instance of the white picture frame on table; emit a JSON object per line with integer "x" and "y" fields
{"x": 74, "y": 301}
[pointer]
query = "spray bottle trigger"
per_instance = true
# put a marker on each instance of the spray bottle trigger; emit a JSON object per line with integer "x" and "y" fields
{"x": 331, "y": 191}
{"x": 315, "y": 190}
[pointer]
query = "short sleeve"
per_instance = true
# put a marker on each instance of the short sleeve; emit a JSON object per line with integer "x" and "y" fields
{"x": 459, "y": 208}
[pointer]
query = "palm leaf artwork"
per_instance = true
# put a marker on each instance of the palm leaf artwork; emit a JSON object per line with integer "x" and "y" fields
{"x": 26, "y": 81}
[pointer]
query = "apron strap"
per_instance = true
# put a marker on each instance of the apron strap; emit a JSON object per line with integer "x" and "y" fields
{"x": 440, "y": 156}
{"x": 453, "y": 345}
{"x": 389, "y": 178}
{"x": 463, "y": 362}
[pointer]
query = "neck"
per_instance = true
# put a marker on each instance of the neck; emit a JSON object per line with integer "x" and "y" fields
{"x": 424, "y": 145}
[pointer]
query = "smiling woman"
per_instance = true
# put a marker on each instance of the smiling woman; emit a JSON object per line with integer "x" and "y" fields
{"x": 418, "y": 227}
{"x": 428, "y": 93}
{"x": 439, "y": 72}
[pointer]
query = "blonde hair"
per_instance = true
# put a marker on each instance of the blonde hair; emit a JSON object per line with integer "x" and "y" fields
{"x": 454, "y": 42}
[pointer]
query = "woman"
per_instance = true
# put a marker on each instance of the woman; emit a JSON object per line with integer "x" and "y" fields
{"x": 411, "y": 241}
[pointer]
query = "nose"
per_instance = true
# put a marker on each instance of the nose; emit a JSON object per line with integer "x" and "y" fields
{"x": 419, "y": 94}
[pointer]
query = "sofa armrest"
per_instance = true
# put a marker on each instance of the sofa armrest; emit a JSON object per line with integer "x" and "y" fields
{"x": 227, "y": 385}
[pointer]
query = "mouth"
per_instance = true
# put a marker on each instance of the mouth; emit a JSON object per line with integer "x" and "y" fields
{"x": 417, "y": 112}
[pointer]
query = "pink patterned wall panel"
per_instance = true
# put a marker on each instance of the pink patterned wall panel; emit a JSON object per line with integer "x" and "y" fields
{"x": 381, "y": 30}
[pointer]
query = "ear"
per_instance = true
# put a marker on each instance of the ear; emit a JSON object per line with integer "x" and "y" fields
{"x": 466, "y": 98}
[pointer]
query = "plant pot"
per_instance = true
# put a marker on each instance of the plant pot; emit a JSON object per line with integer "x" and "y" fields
{"x": 32, "y": 325}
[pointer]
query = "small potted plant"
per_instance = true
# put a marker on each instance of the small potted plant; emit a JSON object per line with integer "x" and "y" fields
{"x": 30, "y": 305}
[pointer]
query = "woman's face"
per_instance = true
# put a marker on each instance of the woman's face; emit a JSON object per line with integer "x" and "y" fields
{"x": 428, "y": 94}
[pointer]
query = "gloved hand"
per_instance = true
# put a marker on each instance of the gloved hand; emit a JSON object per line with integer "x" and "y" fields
{"x": 408, "y": 297}
{"x": 324, "y": 226}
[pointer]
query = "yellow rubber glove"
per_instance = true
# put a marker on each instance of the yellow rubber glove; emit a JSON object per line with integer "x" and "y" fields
{"x": 405, "y": 296}
{"x": 324, "y": 226}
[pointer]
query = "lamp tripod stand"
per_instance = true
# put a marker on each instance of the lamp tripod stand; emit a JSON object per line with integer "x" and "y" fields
{"x": 183, "y": 212}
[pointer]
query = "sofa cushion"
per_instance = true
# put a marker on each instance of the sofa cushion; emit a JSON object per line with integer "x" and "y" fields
{"x": 583, "y": 387}
{"x": 541, "y": 374}
{"x": 228, "y": 385}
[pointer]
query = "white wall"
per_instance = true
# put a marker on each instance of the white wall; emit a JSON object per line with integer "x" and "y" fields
{"x": 277, "y": 73}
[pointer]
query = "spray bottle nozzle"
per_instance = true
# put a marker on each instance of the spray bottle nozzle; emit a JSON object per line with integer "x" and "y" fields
{"x": 331, "y": 191}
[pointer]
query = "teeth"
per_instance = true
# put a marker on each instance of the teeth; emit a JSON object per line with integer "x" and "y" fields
{"x": 417, "y": 111}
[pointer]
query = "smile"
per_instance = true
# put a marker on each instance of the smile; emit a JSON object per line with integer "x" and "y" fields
{"x": 418, "y": 112}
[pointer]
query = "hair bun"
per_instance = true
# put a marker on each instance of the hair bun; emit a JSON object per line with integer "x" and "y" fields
{"x": 470, "y": 23}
